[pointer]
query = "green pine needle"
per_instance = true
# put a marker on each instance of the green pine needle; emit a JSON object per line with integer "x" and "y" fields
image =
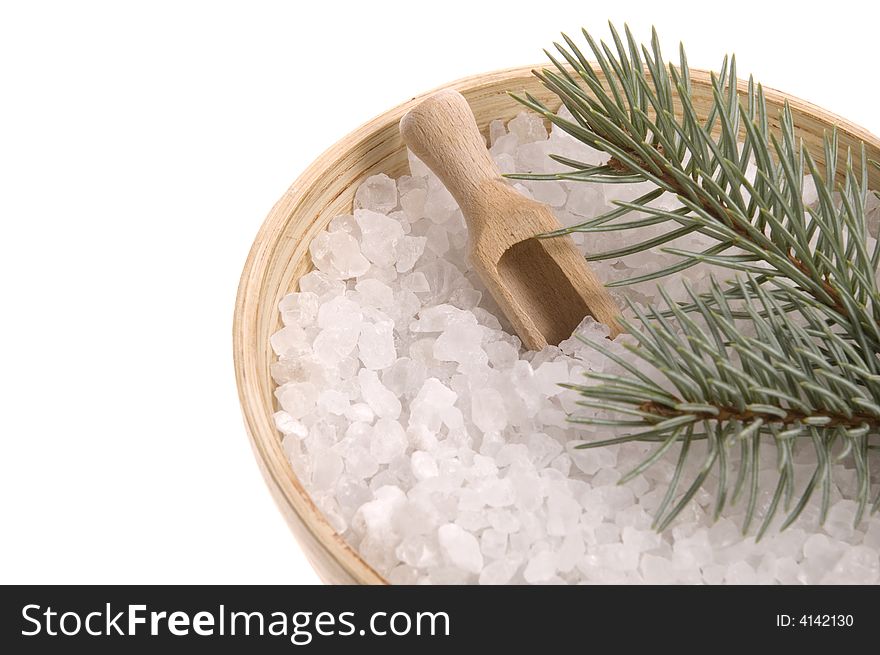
{"x": 785, "y": 354}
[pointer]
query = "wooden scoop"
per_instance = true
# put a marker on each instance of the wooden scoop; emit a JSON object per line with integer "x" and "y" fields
{"x": 543, "y": 286}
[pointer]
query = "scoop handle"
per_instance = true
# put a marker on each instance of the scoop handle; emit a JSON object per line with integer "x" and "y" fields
{"x": 442, "y": 132}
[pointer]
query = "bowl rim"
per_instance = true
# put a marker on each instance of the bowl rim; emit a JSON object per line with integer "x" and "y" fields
{"x": 287, "y": 490}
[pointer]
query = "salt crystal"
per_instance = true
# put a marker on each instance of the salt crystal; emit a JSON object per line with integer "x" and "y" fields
{"x": 618, "y": 557}
{"x": 810, "y": 194}
{"x": 429, "y": 404}
{"x": 417, "y": 168}
{"x": 540, "y": 568}
{"x": 491, "y": 443}
{"x": 418, "y": 551}
{"x": 327, "y": 466}
{"x": 338, "y": 255}
{"x": 786, "y": 571}
{"x": 606, "y": 533}
{"x": 378, "y": 514}
{"x": 415, "y": 282}
{"x": 766, "y": 571}
{"x": 381, "y": 236}
{"x": 501, "y": 354}
{"x": 504, "y": 144}
{"x": 333, "y": 402}
{"x": 408, "y": 251}
{"x": 840, "y": 521}
{"x": 656, "y": 570}
{"x": 487, "y": 410}
{"x": 549, "y": 376}
{"x": 499, "y": 572}
{"x": 570, "y": 552}
{"x": 523, "y": 190}
{"x": 440, "y": 317}
{"x": 505, "y": 163}
{"x": 421, "y": 437}
{"x": 713, "y": 574}
{"x": 424, "y": 465}
{"x": 534, "y": 157}
{"x": 562, "y": 464}
{"x": 403, "y": 575}
{"x": 465, "y": 298}
{"x": 382, "y": 401}
{"x": 437, "y": 240}
{"x": 339, "y": 310}
{"x": 344, "y": 223}
{"x": 460, "y": 343}
{"x": 376, "y": 345}
{"x": 724, "y": 533}
{"x": 858, "y": 566}
{"x": 360, "y": 462}
{"x": 586, "y": 201}
{"x": 322, "y": 436}
{"x": 299, "y": 309}
{"x": 375, "y": 293}
{"x": 549, "y": 193}
{"x": 460, "y": 548}
{"x": 695, "y": 549}
{"x": 527, "y": 387}
{"x": 498, "y": 493}
{"x": 297, "y": 398}
{"x": 421, "y": 350}
{"x": 377, "y": 193}
{"x": 413, "y": 191}
{"x": 563, "y": 515}
{"x": 405, "y": 376}
{"x": 741, "y": 573}
{"x": 484, "y": 318}
{"x": 483, "y": 467}
{"x": 385, "y": 274}
{"x": 334, "y": 344}
{"x": 493, "y": 543}
{"x": 504, "y": 521}
{"x": 351, "y": 494}
{"x": 820, "y": 547}
{"x": 496, "y": 130}
{"x": 820, "y": 555}
{"x": 543, "y": 448}
{"x": 439, "y": 203}
{"x": 443, "y": 278}
{"x": 512, "y": 453}
{"x": 287, "y": 339}
{"x": 872, "y": 535}
{"x": 453, "y": 419}
{"x": 286, "y": 424}
{"x": 321, "y": 284}
{"x": 528, "y": 127}
{"x": 389, "y": 440}
{"x": 360, "y": 412}
{"x": 589, "y": 460}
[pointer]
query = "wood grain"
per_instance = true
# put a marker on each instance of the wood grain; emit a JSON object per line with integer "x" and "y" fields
{"x": 279, "y": 256}
{"x": 544, "y": 287}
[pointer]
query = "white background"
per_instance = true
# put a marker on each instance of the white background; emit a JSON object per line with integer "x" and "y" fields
{"x": 141, "y": 146}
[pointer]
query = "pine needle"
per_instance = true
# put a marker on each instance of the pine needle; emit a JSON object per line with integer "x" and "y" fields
{"x": 785, "y": 353}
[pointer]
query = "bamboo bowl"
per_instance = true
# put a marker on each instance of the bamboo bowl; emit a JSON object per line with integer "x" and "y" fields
{"x": 279, "y": 257}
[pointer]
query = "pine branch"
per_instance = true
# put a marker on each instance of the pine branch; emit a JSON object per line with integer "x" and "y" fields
{"x": 785, "y": 354}
{"x": 762, "y": 216}
{"x": 782, "y": 375}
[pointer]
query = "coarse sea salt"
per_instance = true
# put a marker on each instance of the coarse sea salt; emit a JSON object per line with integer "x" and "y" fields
{"x": 440, "y": 449}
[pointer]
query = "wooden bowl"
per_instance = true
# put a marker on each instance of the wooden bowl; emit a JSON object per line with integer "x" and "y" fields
{"x": 279, "y": 256}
